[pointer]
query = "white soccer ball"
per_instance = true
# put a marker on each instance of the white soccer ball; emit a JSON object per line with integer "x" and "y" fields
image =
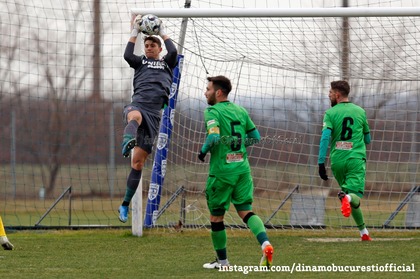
{"x": 148, "y": 24}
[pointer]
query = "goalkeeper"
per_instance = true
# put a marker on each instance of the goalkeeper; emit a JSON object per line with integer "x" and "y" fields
{"x": 151, "y": 87}
{"x": 346, "y": 124}
{"x": 229, "y": 131}
{"x": 4, "y": 241}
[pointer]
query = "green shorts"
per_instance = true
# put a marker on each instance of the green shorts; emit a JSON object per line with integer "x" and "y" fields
{"x": 350, "y": 175}
{"x": 221, "y": 191}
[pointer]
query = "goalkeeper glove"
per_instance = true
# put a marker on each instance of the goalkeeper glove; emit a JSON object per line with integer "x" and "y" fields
{"x": 322, "y": 171}
{"x": 134, "y": 32}
{"x": 201, "y": 156}
{"x": 135, "y": 25}
{"x": 162, "y": 32}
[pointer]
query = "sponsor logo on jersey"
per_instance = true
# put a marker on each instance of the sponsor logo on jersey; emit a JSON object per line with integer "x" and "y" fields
{"x": 155, "y": 64}
{"x": 234, "y": 157}
{"x": 343, "y": 145}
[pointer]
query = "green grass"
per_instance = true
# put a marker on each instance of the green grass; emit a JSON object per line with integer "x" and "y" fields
{"x": 164, "y": 253}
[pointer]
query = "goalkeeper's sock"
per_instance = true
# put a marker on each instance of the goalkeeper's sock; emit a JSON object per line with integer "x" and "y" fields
{"x": 256, "y": 226}
{"x": 132, "y": 184}
{"x": 131, "y": 128}
{"x": 2, "y": 231}
{"x": 219, "y": 239}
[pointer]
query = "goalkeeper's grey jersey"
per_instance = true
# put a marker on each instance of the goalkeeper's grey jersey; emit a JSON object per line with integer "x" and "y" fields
{"x": 152, "y": 78}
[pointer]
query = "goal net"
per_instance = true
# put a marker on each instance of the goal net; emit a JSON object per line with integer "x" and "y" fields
{"x": 61, "y": 120}
{"x": 281, "y": 68}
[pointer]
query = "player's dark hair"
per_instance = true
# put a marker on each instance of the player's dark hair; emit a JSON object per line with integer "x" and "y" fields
{"x": 222, "y": 83}
{"x": 341, "y": 86}
{"x": 153, "y": 39}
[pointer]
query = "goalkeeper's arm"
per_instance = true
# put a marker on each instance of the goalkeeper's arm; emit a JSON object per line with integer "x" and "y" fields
{"x": 134, "y": 28}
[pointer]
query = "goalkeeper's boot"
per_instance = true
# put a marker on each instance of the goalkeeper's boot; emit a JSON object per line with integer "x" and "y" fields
{"x": 123, "y": 210}
{"x": 267, "y": 258}
{"x": 366, "y": 237}
{"x": 5, "y": 243}
{"x": 345, "y": 204}
{"x": 128, "y": 143}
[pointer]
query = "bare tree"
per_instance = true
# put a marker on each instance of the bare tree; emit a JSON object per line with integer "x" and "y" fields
{"x": 62, "y": 80}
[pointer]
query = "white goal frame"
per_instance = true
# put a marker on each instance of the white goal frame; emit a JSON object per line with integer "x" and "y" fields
{"x": 280, "y": 12}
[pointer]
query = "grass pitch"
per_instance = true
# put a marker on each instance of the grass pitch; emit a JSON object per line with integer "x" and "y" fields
{"x": 165, "y": 253}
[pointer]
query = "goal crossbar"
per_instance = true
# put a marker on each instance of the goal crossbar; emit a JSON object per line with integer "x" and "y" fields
{"x": 281, "y": 12}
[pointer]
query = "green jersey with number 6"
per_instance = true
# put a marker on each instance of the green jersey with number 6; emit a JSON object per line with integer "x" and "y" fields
{"x": 348, "y": 124}
{"x": 229, "y": 155}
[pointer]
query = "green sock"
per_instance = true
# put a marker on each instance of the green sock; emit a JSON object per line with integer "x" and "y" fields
{"x": 356, "y": 212}
{"x": 219, "y": 239}
{"x": 256, "y": 226}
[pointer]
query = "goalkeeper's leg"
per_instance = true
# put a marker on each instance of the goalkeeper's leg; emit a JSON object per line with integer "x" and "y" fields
{"x": 133, "y": 120}
{"x": 137, "y": 163}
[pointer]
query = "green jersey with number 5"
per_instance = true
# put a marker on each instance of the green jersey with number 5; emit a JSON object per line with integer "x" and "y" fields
{"x": 229, "y": 155}
{"x": 348, "y": 124}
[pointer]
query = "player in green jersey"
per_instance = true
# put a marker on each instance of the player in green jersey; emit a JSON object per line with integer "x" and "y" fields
{"x": 229, "y": 131}
{"x": 346, "y": 124}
